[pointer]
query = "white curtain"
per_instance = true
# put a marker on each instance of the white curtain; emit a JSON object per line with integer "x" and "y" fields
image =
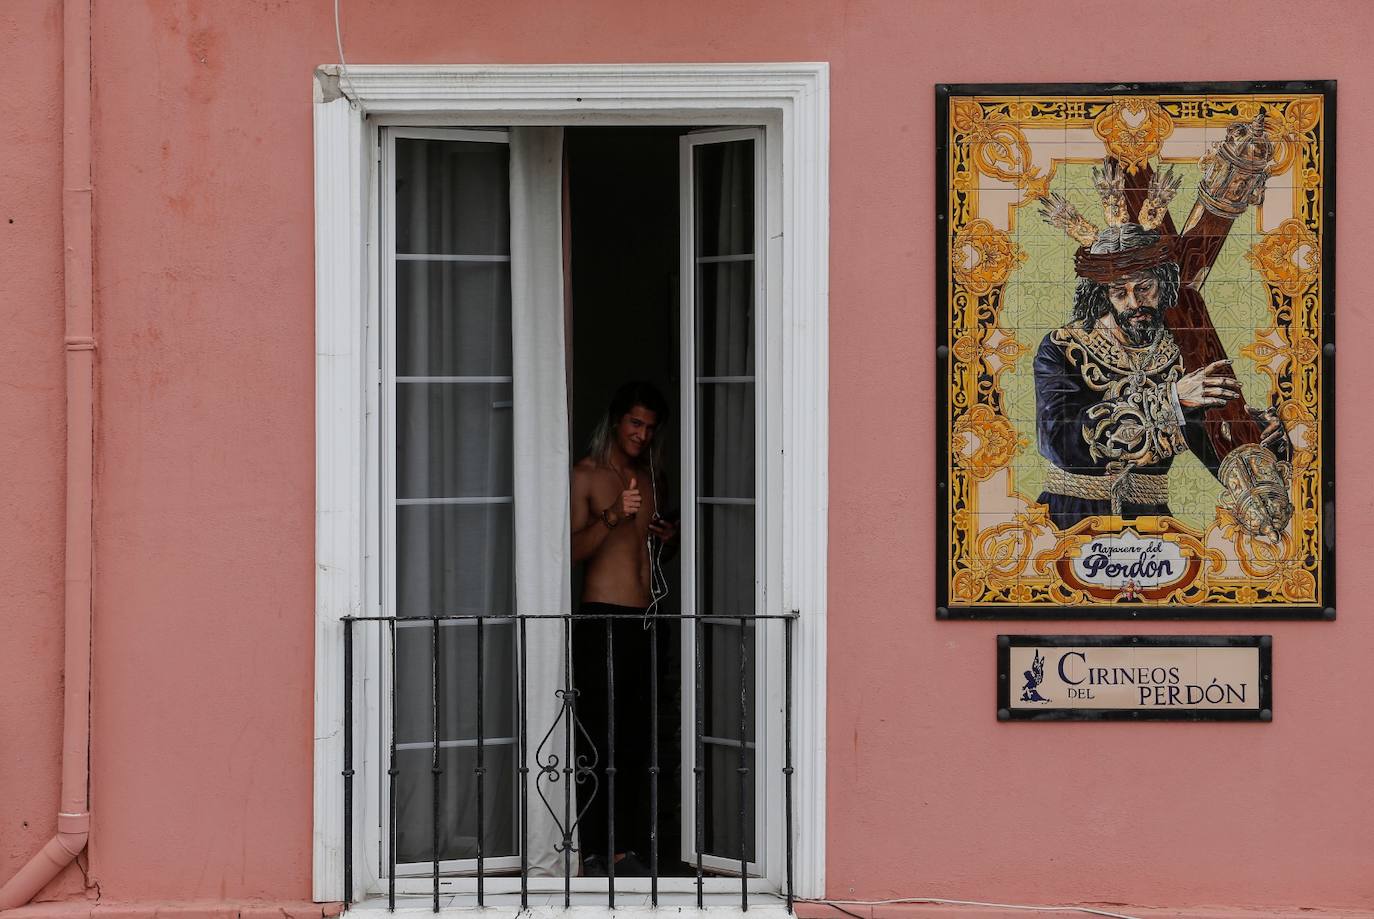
{"x": 542, "y": 563}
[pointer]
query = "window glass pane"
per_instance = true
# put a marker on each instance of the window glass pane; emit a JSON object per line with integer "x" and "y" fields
{"x": 453, "y": 319}
{"x": 457, "y": 804}
{"x": 722, "y": 837}
{"x": 725, "y": 559}
{"x": 721, "y": 662}
{"x": 452, "y": 197}
{"x": 457, "y": 681}
{"x": 724, "y": 181}
{"x": 725, "y": 440}
{"x": 454, "y": 558}
{"x": 725, "y": 319}
{"x": 453, "y": 440}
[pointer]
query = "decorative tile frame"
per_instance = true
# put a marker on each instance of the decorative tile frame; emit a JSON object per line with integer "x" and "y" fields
{"x": 1003, "y": 149}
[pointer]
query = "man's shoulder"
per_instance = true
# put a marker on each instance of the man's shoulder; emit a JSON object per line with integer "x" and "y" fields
{"x": 584, "y": 472}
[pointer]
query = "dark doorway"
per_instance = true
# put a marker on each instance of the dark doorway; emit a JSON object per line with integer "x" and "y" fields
{"x": 623, "y": 228}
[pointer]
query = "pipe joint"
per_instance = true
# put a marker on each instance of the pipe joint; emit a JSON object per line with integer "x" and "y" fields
{"x": 72, "y": 844}
{"x": 74, "y": 824}
{"x": 60, "y": 852}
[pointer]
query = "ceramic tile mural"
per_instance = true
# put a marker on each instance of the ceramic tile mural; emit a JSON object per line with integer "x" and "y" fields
{"x": 1135, "y": 351}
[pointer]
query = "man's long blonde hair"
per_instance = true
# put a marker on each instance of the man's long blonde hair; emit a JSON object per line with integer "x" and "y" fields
{"x": 636, "y": 392}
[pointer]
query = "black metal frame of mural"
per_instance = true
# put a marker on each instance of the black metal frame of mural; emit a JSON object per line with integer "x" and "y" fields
{"x": 1325, "y": 607}
{"x": 1265, "y": 644}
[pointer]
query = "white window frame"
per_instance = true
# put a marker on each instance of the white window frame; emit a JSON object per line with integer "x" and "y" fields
{"x": 791, "y": 103}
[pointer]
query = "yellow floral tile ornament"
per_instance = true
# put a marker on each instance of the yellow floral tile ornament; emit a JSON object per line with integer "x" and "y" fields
{"x": 984, "y": 256}
{"x": 1289, "y": 257}
{"x": 985, "y": 441}
{"x": 1133, "y": 130}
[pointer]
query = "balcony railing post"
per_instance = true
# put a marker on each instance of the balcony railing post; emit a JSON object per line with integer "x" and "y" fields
{"x": 392, "y": 771}
{"x": 569, "y": 704}
{"x": 653, "y": 761}
{"x": 699, "y": 768}
{"x": 348, "y": 761}
{"x": 787, "y": 747}
{"x": 524, "y": 772}
{"x": 742, "y": 769}
{"x": 434, "y": 764}
{"x": 481, "y": 770}
{"x": 610, "y": 763}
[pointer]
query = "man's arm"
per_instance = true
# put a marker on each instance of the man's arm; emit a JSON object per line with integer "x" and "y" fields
{"x": 589, "y": 528}
{"x": 588, "y": 531}
{"x": 661, "y": 526}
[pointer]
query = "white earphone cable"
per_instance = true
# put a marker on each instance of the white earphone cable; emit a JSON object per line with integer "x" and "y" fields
{"x": 658, "y": 581}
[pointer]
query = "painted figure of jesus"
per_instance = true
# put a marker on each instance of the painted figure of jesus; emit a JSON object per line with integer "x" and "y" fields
{"x": 1114, "y": 405}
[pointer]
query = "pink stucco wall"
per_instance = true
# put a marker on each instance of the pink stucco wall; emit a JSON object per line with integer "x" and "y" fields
{"x": 31, "y": 416}
{"x": 201, "y": 750}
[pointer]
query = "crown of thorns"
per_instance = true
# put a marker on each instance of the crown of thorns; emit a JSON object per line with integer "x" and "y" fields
{"x": 1110, "y": 182}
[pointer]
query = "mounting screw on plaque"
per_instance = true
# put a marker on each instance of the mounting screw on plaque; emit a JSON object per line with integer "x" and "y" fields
{"x": 1266, "y": 641}
{"x": 1329, "y": 614}
{"x": 942, "y": 352}
{"x": 1329, "y": 349}
{"x": 1003, "y": 714}
{"x": 942, "y": 612}
{"x": 1004, "y": 641}
{"x": 1266, "y": 714}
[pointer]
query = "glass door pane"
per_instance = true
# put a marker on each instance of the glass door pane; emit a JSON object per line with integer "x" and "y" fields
{"x": 447, "y": 361}
{"x": 721, "y": 263}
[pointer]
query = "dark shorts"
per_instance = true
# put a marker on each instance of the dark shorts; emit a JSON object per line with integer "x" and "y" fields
{"x": 626, "y": 672}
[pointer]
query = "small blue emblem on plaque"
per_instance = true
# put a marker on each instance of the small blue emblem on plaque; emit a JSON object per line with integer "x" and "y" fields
{"x": 1034, "y": 677}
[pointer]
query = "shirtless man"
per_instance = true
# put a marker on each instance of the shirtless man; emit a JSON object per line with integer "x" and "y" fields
{"x": 611, "y": 516}
{"x": 614, "y": 517}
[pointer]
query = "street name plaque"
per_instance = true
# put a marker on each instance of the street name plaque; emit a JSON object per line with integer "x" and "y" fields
{"x": 1134, "y": 677}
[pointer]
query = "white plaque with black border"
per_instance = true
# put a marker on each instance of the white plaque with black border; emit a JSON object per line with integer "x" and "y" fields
{"x": 1135, "y": 677}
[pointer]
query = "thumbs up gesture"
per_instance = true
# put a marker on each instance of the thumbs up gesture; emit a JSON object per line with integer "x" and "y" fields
{"x": 630, "y": 500}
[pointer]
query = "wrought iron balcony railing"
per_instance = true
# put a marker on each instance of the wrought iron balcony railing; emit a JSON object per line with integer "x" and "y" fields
{"x": 567, "y": 770}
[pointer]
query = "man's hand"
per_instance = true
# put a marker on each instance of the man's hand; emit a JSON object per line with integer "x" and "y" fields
{"x": 663, "y": 528}
{"x": 1206, "y": 389}
{"x": 630, "y": 501}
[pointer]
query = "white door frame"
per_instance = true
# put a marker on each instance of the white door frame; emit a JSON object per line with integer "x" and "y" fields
{"x": 791, "y": 102}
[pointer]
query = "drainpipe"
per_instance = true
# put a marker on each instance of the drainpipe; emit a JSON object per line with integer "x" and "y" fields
{"x": 73, "y": 820}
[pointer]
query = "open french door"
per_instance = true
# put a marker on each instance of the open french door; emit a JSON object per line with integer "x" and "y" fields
{"x": 473, "y": 462}
{"x": 447, "y": 521}
{"x": 721, "y": 184}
